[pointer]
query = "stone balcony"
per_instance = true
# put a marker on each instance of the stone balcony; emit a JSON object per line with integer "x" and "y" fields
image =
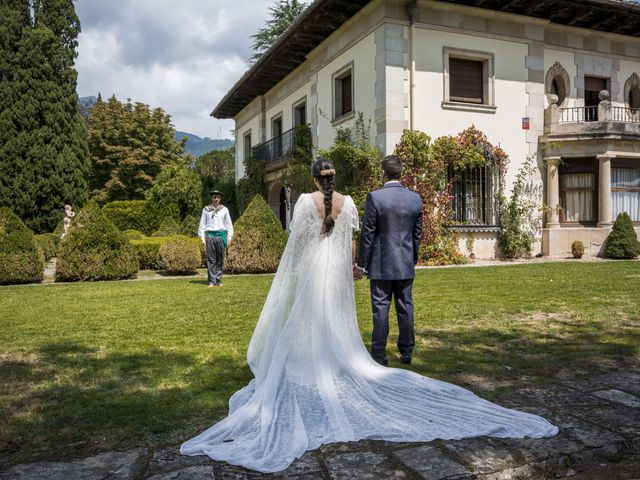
{"x": 603, "y": 121}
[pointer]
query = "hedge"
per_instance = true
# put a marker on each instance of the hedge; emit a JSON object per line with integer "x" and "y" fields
{"x": 167, "y": 228}
{"x": 622, "y": 242}
{"x": 21, "y": 260}
{"x": 258, "y": 242}
{"x": 94, "y": 249}
{"x": 180, "y": 255}
{"x": 140, "y": 215}
{"x": 148, "y": 252}
{"x": 48, "y": 243}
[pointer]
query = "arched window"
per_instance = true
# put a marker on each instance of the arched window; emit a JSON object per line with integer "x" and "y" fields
{"x": 557, "y": 83}
{"x": 632, "y": 93}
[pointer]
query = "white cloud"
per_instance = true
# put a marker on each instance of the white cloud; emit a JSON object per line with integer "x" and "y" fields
{"x": 181, "y": 56}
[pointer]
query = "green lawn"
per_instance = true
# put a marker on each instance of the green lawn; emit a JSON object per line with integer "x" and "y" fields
{"x": 113, "y": 365}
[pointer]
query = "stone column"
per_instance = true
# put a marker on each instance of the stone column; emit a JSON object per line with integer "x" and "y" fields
{"x": 553, "y": 192}
{"x": 604, "y": 191}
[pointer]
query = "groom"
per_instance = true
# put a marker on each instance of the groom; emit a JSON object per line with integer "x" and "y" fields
{"x": 389, "y": 241}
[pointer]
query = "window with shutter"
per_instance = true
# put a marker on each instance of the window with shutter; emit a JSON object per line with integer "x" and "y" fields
{"x": 343, "y": 92}
{"x": 466, "y": 80}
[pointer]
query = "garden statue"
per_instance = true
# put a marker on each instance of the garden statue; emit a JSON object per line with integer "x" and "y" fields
{"x": 67, "y": 219}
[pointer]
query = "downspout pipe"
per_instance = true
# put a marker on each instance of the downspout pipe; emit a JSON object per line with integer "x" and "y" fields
{"x": 412, "y": 11}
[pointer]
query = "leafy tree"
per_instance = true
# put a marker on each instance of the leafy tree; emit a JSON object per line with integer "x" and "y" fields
{"x": 217, "y": 170}
{"x": 283, "y": 14}
{"x": 178, "y": 183}
{"x": 130, "y": 143}
{"x": 43, "y": 141}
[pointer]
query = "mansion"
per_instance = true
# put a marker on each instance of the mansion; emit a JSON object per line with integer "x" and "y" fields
{"x": 558, "y": 79}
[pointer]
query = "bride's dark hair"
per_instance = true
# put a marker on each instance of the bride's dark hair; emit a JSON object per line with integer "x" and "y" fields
{"x": 323, "y": 171}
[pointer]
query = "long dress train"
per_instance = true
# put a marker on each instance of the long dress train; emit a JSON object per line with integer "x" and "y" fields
{"x": 315, "y": 382}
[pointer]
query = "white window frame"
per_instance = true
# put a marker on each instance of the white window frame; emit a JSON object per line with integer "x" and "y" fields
{"x": 488, "y": 80}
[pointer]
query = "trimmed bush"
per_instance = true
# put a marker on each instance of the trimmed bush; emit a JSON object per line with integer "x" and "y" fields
{"x": 48, "y": 243}
{"x": 258, "y": 242}
{"x": 94, "y": 249}
{"x": 189, "y": 226}
{"x": 622, "y": 242}
{"x": 167, "y": 228}
{"x": 21, "y": 260}
{"x": 180, "y": 255}
{"x": 148, "y": 252}
{"x": 134, "y": 234}
{"x": 577, "y": 249}
{"x": 140, "y": 215}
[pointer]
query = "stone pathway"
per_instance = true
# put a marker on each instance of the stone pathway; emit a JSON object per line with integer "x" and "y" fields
{"x": 599, "y": 420}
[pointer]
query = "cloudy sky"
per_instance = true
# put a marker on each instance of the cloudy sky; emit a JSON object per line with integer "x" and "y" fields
{"x": 181, "y": 55}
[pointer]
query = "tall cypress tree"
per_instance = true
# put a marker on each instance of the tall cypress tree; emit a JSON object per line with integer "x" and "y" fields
{"x": 47, "y": 159}
{"x": 15, "y": 18}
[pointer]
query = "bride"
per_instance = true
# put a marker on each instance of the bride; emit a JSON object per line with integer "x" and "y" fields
{"x": 315, "y": 382}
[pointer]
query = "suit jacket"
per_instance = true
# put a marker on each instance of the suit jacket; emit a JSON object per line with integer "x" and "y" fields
{"x": 391, "y": 233}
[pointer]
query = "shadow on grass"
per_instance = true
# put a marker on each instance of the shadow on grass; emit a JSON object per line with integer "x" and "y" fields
{"x": 75, "y": 400}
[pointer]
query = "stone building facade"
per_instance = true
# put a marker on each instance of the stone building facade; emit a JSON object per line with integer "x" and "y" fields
{"x": 556, "y": 79}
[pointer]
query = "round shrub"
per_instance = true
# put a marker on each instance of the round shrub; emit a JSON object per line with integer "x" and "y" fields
{"x": 21, "y": 260}
{"x": 94, "y": 249}
{"x": 148, "y": 252}
{"x": 140, "y": 215}
{"x": 258, "y": 242}
{"x": 577, "y": 249}
{"x": 622, "y": 242}
{"x": 180, "y": 255}
{"x": 167, "y": 228}
{"x": 189, "y": 226}
{"x": 48, "y": 243}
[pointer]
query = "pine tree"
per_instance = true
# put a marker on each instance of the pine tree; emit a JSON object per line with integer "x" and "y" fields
{"x": 283, "y": 14}
{"x": 129, "y": 145}
{"x": 44, "y": 162}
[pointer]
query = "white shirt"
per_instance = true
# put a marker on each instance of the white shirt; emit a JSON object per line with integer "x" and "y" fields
{"x": 211, "y": 221}
{"x": 391, "y": 181}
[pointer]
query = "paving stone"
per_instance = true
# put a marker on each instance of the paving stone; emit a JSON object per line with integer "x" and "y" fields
{"x": 586, "y": 434}
{"x": 626, "y": 381}
{"x": 111, "y": 465}
{"x": 198, "y": 472}
{"x": 558, "y": 396}
{"x": 618, "y": 396}
{"x": 169, "y": 458}
{"x": 524, "y": 472}
{"x": 431, "y": 463}
{"x": 536, "y": 449}
{"x": 363, "y": 466}
{"x": 621, "y": 420}
{"x": 482, "y": 455}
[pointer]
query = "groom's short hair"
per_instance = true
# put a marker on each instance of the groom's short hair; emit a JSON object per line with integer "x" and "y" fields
{"x": 392, "y": 167}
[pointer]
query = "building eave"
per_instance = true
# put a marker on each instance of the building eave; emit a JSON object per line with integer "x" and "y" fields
{"x": 323, "y": 17}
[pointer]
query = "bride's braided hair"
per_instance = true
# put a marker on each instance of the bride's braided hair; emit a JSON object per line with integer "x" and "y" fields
{"x": 322, "y": 170}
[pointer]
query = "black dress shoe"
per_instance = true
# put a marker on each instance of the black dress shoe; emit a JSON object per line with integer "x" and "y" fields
{"x": 406, "y": 360}
{"x": 382, "y": 361}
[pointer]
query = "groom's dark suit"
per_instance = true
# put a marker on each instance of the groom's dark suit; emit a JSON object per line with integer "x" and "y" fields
{"x": 391, "y": 233}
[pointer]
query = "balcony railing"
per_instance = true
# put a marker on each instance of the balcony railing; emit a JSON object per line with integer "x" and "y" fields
{"x": 578, "y": 114}
{"x": 624, "y": 114}
{"x": 283, "y": 146}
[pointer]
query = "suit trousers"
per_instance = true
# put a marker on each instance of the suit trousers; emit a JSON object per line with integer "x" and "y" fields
{"x": 381, "y": 293}
{"x": 215, "y": 259}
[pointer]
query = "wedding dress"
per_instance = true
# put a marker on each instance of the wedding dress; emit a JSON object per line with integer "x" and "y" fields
{"x": 315, "y": 382}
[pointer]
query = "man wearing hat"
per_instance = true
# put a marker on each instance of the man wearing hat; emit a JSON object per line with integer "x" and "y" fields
{"x": 216, "y": 232}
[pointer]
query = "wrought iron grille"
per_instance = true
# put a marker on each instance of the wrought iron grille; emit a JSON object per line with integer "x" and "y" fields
{"x": 474, "y": 190}
{"x": 276, "y": 149}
